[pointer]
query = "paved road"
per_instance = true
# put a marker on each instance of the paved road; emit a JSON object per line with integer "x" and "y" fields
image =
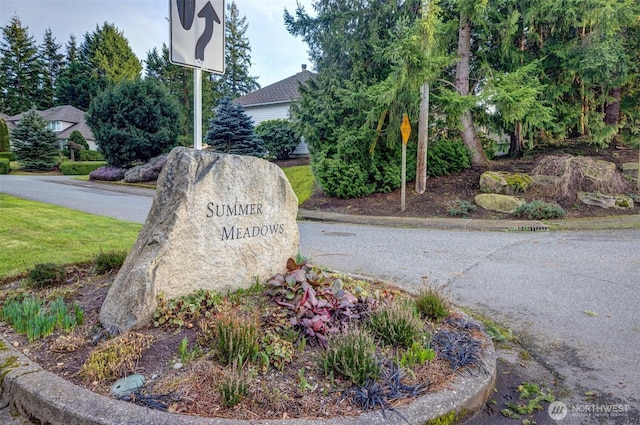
{"x": 572, "y": 297}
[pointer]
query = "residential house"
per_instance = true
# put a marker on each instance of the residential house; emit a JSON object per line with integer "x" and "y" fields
{"x": 274, "y": 102}
{"x": 62, "y": 120}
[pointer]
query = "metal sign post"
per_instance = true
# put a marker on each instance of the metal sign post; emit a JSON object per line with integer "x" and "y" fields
{"x": 197, "y": 42}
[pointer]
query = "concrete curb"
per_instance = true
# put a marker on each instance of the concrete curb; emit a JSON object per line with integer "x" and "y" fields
{"x": 597, "y": 223}
{"x": 43, "y": 397}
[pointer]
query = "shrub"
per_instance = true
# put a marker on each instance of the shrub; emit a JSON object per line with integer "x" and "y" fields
{"x": 47, "y": 274}
{"x": 90, "y": 155}
{"x": 134, "y": 121}
{"x": 7, "y": 155}
{"x": 278, "y": 138}
{"x": 107, "y": 261}
{"x": 539, "y": 210}
{"x": 447, "y": 156}
{"x": 4, "y": 166}
{"x": 111, "y": 174}
{"x": 78, "y": 168}
{"x": 5, "y": 145}
{"x": 116, "y": 357}
{"x": 396, "y": 323}
{"x": 236, "y": 339}
{"x": 460, "y": 208}
{"x": 432, "y": 304}
{"x": 352, "y": 355}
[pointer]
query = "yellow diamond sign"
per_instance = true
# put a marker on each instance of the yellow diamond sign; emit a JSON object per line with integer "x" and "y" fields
{"x": 405, "y": 129}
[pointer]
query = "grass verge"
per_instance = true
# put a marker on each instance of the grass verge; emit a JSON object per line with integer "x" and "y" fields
{"x": 301, "y": 180}
{"x": 33, "y": 233}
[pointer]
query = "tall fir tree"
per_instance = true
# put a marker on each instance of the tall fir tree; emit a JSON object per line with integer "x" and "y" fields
{"x": 5, "y": 144}
{"x": 19, "y": 69}
{"x": 178, "y": 80}
{"x": 236, "y": 80}
{"x": 52, "y": 62}
{"x": 35, "y": 146}
{"x": 103, "y": 59}
{"x": 231, "y": 131}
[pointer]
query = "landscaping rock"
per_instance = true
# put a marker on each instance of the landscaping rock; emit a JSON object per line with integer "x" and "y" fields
{"x": 620, "y": 202}
{"x": 499, "y": 203}
{"x": 218, "y": 222}
{"x": 504, "y": 183}
{"x": 127, "y": 385}
{"x": 146, "y": 172}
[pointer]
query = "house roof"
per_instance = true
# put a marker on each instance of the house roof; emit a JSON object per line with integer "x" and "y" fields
{"x": 279, "y": 92}
{"x": 65, "y": 113}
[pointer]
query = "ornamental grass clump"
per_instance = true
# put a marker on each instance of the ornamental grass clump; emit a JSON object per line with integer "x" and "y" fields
{"x": 432, "y": 304}
{"x": 108, "y": 261}
{"x": 352, "y": 355}
{"x": 236, "y": 339}
{"x": 396, "y": 323}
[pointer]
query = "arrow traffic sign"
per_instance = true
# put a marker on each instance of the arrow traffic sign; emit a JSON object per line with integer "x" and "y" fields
{"x": 197, "y": 34}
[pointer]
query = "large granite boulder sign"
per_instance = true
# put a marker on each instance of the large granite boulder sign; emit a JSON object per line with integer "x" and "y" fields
{"x": 218, "y": 222}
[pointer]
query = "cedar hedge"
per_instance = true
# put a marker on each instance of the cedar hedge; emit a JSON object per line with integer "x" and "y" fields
{"x": 4, "y": 166}
{"x": 80, "y": 168}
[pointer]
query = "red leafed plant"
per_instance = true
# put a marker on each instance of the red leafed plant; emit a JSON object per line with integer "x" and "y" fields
{"x": 317, "y": 303}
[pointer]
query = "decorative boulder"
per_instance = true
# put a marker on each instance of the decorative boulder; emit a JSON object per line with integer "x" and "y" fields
{"x": 620, "y": 202}
{"x": 499, "y": 203}
{"x": 218, "y": 222}
{"x": 146, "y": 172}
{"x": 504, "y": 183}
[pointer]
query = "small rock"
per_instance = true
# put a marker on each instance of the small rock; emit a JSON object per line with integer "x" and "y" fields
{"x": 178, "y": 366}
{"x": 16, "y": 344}
{"x": 127, "y": 385}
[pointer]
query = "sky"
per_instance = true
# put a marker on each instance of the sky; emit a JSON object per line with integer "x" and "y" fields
{"x": 275, "y": 54}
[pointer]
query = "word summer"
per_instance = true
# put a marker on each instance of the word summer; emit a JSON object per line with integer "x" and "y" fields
{"x": 226, "y": 210}
{"x": 232, "y": 232}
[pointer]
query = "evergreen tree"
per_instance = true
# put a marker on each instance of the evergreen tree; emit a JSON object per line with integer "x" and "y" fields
{"x": 231, "y": 131}
{"x": 103, "y": 59}
{"x": 19, "y": 69}
{"x": 236, "y": 80}
{"x": 134, "y": 121}
{"x": 71, "y": 49}
{"x": 52, "y": 62}
{"x": 35, "y": 146}
{"x": 75, "y": 144}
{"x": 178, "y": 80}
{"x": 5, "y": 145}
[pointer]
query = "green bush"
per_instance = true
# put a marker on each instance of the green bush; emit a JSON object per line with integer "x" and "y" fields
{"x": 8, "y": 155}
{"x": 107, "y": 261}
{"x": 80, "y": 168}
{"x": 397, "y": 323}
{"x": 134, "y": 121}
{"x": 447, "y": 156}
{"x": 460, "y": 208}
{"x": 278, "y": 138}
{"x": 352, "y": 355}
{"x": 47, "y": 274}
{"x": 90, "y": 155}
{"x": 539, "y": 210}
{"x": 4, "y": 166}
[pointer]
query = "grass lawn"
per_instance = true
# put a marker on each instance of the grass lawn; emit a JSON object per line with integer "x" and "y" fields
{"x": 301, "y": 180}
{"x": 33, "y": 233}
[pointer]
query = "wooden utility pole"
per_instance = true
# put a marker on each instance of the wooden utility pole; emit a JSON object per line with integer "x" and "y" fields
{"x": 423, "y": 140}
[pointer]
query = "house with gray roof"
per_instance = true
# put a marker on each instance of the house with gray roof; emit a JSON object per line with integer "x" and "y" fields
{"x": 274, "y": 101}
{"x": 62, "y": 120}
